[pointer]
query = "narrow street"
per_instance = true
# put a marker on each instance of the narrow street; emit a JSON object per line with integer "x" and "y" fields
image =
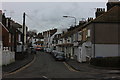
{"x": 44, "y": 66}
{"x": 84, "y": 34}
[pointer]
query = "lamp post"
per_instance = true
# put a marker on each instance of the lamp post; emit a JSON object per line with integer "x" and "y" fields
{"x": 23, "y": 32}
{"x": 71, "y": 17}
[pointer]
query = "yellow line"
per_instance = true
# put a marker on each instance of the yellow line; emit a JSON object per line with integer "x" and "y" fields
{"x": 21, "y": 68}
{"x": 70, "y": 68}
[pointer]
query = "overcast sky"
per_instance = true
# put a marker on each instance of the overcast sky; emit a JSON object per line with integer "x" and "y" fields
{"x": 47, "y": 15}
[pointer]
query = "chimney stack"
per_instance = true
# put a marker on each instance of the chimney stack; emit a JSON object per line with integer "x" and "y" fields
{"x": 112, "y": 3}
{"x": 82, "y": 22}
{"x": 89, "y": 19}
{"x": 99, "y": 11}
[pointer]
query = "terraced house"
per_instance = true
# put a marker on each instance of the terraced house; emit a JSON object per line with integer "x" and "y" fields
{"x": 11, "y": 39}
{"x": 93, "y": 38}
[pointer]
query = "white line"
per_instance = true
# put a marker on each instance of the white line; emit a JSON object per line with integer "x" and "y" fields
{"x": 70, "y": 68}
{"x": 45, "y": 77}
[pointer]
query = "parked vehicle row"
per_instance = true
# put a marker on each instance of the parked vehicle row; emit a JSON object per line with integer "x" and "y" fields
{"x": 48, "y": 50}
{"x": 60, "y": 56}
{"x": 57, "y": 55}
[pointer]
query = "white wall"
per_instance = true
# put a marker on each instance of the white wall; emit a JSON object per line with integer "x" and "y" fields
{"x": 8, "y": 57}
{"x": 106, "y": 50}
{"x": 79, "y": 56}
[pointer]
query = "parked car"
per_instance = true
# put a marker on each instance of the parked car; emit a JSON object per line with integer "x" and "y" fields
{"x": 44, "y": 49}
{"x": 48, "y": 50}
{"x": 54, "y": 53}
{"x": 60, "y": 56}
{"x": 33, "y": 50}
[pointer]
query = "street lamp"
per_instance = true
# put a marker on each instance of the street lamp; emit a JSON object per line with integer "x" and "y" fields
{"x": 71, "y": 17}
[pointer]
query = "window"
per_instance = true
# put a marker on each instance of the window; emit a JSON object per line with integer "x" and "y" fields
{"x": 88, "y": 34}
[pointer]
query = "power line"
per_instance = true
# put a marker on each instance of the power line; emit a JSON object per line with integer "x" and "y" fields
{"x": 35, "y": 22}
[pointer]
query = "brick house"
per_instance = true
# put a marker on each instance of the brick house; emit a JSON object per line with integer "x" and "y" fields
{"x": 11, "y": 35}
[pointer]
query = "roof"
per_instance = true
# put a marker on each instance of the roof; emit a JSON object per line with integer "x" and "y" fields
{"x": 112, "y": 15}
{"x": 4, "y": 27}
{"x": 57, "y": 36}
{"x": 67, "y": 34}
{"x": 17, "y": 25}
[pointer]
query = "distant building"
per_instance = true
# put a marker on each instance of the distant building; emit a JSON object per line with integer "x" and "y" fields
{"x": 48, "y": 36}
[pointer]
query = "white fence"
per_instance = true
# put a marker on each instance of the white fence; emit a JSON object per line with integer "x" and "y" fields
{"x": 7, "y": 56}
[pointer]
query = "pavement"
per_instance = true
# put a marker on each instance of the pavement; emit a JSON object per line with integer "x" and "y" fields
{"x": 87, "y": 67}
{"x": 17, "y": 64}
{"x": 109, "y": 73}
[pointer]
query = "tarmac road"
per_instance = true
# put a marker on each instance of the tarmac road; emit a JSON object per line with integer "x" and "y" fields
{"x": 45, "y": 67}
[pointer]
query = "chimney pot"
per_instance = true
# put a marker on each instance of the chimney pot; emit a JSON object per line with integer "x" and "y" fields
{"x": 99, "y": 11}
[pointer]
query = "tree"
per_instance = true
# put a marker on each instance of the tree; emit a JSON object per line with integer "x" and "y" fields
{"x": 31, "y": 33}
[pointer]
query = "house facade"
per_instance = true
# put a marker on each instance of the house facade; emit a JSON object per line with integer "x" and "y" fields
{"x": 11, "y": 38}
{"x": 48, "y": 37}
{"x": 100, "y": 35}
{"x": 94, "y": 38}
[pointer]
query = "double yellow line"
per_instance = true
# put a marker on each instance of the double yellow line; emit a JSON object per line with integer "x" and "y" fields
{"x": 6, "y": 74}
{"x": 69, "y": 67}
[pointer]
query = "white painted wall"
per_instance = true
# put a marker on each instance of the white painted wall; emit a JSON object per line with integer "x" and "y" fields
{"x": 83, "y": 53}
{"x": 79, "y": 56}
{"x": 106, "y": 50}
{"x": 7, "y": 57}
{"x": 75, "y": 51}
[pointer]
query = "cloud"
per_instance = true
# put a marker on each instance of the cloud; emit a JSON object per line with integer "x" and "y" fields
{"x": 46, "y": 15}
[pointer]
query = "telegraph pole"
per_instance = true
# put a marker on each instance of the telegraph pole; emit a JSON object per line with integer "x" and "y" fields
{"x": 23, "y": 31}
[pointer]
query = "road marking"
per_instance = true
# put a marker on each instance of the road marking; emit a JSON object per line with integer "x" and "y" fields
{"x": 45, "y": 77}
{"x": 70, "y": 68}
{"x": 6, "y": 74}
